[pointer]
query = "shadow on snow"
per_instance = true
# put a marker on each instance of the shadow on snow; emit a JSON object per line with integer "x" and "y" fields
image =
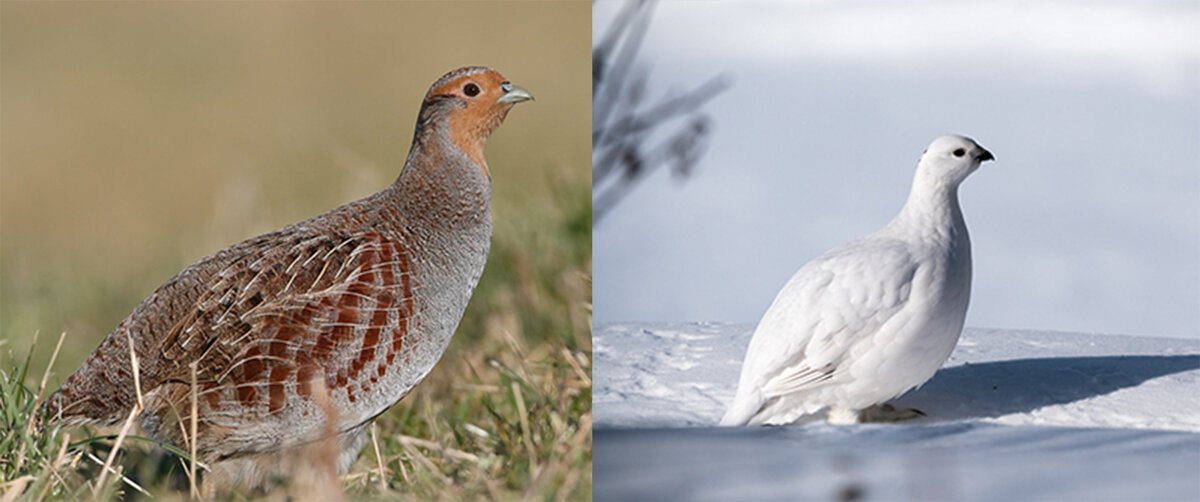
{"x": 993, "y": 389}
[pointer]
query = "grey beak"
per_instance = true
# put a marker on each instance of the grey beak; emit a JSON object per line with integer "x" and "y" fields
{"x": 985, "y": 155}
{"x": 514, "y": 94}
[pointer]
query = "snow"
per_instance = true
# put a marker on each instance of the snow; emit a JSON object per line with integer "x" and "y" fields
{"x": 1013, "y": 414}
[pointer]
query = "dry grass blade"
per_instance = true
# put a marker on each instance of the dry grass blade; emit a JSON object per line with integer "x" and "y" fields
{"x": 133, "y": 414}
{"x": 193, "y": 440}
{"x": 379, "y": 460}
{"x": 519, "y": 349}
{"x": 423, "y": 460}
{"x": 109, "y": 469}
{"x": 15, "y": 488}
{"x": 58, "y": 462}
{"x": 403, "y": 470}
{"x": 523, "y": 415}
{"x": 37, "y": 400}
{"x": 579, "y": 372}
{"x": 443, "y": 450}
{"x": 137, "y": 372}
{"x": 31, "y": 424}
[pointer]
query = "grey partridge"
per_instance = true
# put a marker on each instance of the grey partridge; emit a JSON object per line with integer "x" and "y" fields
{"x": 312, "y": 330}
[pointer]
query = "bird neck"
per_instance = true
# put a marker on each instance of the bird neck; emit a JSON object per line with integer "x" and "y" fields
{"x": 932, "y": 206}
{"x": 469, "y": 131}
{"x": 441, "y": 184}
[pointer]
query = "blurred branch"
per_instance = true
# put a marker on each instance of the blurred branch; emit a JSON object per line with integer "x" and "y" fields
{"x": 631, "y": 138}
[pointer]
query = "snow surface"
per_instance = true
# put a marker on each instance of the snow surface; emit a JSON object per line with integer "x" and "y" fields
{"x": 1013, "y": 415}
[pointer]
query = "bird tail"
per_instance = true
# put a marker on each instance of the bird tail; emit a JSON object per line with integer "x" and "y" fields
{"x": 64, "y": 408}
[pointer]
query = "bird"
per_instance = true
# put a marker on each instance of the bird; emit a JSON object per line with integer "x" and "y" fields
{"x": 871, "y": 319}
{"x": 311, "y": 331}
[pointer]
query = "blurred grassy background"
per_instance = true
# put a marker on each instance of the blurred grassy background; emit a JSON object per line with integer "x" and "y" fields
{"x": 136, "y": 138}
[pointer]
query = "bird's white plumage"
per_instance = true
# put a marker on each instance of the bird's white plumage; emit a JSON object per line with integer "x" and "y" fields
{"x": 868, "y": 320}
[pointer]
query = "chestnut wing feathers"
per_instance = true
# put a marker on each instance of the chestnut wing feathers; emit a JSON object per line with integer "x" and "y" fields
{"x": 262, "y": 320}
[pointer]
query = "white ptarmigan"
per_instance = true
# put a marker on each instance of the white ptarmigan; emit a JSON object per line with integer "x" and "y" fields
{"x": 872, "y": 319}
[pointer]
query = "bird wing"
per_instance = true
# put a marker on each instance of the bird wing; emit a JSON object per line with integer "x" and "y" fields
{"x": 829, "y": 307}
{"x": 324, "y": 307}
{"x": 259, "y": 318}
{"x": 102, "y": 389}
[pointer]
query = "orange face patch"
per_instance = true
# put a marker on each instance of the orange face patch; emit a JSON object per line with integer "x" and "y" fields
{"x": 471, "y": 126}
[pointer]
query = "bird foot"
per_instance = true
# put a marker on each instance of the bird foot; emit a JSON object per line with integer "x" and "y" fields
{"x": 888, "y": 413}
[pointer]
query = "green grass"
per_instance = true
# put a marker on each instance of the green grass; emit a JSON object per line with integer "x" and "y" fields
{"x": 29, "y": 456}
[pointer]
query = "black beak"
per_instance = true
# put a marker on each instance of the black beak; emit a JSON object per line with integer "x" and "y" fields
{"x": 985, "y": 155}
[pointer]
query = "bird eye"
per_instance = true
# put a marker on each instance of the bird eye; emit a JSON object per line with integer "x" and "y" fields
{"x": 960, "y": 152}
{"x": 471, "y": 89}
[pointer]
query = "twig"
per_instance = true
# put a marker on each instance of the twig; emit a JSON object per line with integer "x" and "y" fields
{"x": 633, "y": 30}
{"x": 667, "y": 110}
{"x": 622, "y": 155}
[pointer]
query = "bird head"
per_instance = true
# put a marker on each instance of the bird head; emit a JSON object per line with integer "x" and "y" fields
{"x": 950, "y": 159}
{"x": 468, "y": 104}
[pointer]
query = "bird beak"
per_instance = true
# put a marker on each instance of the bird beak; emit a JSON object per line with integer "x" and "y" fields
{"x": 513, "y": 94}
{"x": 985, "y": 155}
